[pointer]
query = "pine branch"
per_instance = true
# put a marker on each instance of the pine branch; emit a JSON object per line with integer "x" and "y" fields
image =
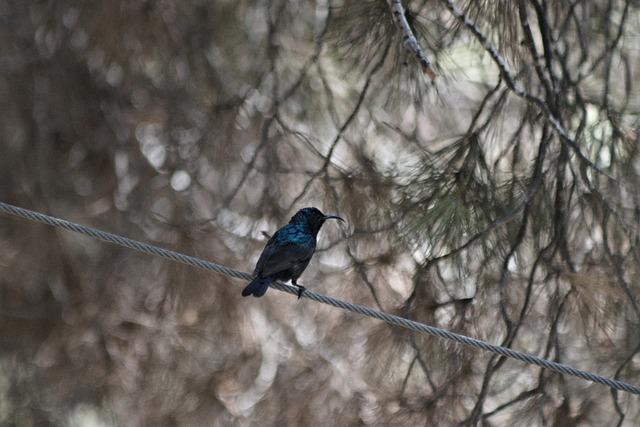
{"x": 409, "y": 39}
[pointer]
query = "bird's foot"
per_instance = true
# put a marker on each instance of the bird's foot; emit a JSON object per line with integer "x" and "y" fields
{"x": 301, "y": 289}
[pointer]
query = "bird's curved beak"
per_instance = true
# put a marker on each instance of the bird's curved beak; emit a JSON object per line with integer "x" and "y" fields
{"x": 326, "y": 217}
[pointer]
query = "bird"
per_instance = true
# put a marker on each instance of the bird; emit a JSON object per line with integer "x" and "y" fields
{"x": 288, "y": 252}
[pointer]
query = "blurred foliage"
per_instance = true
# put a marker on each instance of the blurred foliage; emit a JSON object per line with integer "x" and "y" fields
{"x": 499, "y": 201}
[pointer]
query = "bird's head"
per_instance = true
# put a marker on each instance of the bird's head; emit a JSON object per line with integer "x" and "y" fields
{"x": 313, "y": 218}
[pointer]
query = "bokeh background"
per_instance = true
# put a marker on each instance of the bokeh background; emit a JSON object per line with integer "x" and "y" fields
{"x": 499, "y": 201}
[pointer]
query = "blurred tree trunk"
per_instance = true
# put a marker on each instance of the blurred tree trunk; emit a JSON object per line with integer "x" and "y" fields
{"x": 499, "y": 200}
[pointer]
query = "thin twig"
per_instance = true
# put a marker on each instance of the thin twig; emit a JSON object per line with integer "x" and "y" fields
{"x": 408, "y": 38}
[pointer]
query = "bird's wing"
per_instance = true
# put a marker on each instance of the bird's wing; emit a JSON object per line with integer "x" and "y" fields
{"x": 280, "y": 256}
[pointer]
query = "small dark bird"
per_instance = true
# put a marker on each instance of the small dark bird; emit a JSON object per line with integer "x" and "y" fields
{"x": 288, "y": 252}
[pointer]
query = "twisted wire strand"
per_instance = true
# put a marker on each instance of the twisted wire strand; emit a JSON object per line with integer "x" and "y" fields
{"x": 356, "y": 308}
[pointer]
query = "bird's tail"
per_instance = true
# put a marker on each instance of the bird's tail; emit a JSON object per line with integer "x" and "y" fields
{"x": 257, "y": 287}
